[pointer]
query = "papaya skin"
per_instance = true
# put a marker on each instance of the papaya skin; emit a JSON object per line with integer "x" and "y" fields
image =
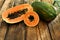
{"x": 45, "y": 10}
{"x": 15, "y": 9}
{"x": 32, "y": 23}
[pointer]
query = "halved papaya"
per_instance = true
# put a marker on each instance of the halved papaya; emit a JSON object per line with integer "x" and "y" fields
{"x": 16, "y": 14}
{"x": 31, "y": 18}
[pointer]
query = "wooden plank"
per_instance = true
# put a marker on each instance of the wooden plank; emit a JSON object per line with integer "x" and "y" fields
{"x": 5, "y": 6}
{"x": 31, "y": 1}
{"x": 3, "y": 29}
{"x": 55, "y": 28}
{"x": 32, "y": 34}
{"x": 16, "y": 32}
{"x": 3, "y": 25}
{"x": 1, "y": 3}
{"x": 18, "y": 2}
{"x": 44, "y": 32}
{"x": 23, "y": 32}
{"x": 48, "y": 1}
{"x": 38, "y": 33}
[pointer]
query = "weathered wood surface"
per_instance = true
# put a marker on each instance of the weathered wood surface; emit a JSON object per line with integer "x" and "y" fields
{"x": 54, "y": 27}
{"x": 19, "y": 31}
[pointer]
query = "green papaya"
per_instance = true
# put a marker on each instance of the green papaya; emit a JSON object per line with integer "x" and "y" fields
{"x": 45, "y": 10}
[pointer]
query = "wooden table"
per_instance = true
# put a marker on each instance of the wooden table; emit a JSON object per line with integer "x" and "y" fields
{"x": 19, "y": 31}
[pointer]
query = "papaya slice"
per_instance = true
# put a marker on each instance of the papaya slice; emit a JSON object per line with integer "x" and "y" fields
{"x": 31, "y": 18}
{"x": 16, "y": 14}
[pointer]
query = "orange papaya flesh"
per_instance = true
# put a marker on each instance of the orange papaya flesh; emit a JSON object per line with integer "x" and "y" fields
{"x": 31, "y": 19}
{"x": 16, "y": 14}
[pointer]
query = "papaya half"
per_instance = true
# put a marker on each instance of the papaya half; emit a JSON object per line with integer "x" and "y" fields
{"x": 16, "y": 14}
{"x": 31, "y": 18}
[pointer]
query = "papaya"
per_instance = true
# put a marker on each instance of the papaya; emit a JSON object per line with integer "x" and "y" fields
{"x": 31, "y": 18}
{"x": 16, "y": 14}
{"x": 45, "y": 10}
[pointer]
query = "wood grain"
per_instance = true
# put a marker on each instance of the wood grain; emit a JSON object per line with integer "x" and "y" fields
{"x": 15, "y": 32}
{"x": 1, "y": 3}
{"x": 44, "y": 31}
{"x": 5, "y": 6}
{"x": 3, "y": 26}
{"x": 55, "y": 28}
{"x": 3, "y": 29}
{"x": 32, "y": 34}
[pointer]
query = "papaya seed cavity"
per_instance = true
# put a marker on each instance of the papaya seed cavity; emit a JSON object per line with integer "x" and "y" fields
{"x": 31, "y": 18}
{"x": 17, "y": 14}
